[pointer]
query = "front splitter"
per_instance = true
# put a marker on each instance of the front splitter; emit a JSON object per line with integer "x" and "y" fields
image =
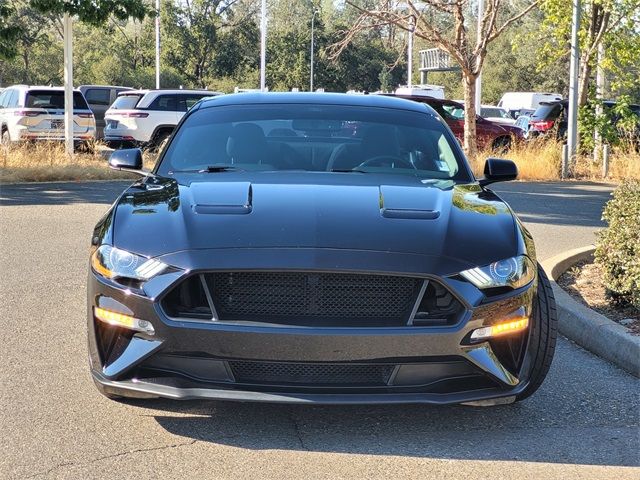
{"x": 140, "y": 389}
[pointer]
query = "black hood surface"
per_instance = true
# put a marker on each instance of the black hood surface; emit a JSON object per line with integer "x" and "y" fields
{"x": 315, "y": 210}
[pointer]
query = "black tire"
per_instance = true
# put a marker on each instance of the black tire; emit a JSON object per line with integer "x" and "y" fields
{"x": 502, "y": 144}
{"x": 5, "y": 140}
{"x": 544, "y": 331}
{"x": 159, "y": 140}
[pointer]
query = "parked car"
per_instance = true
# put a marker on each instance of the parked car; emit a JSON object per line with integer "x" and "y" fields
{"x": 522, "y": 122}
{"x": 100, "y": 98}
{"x": 496, "y": 115}
{"x": 516, "y": 102}
{"x": 553, "y": 117}
{"x": 316, "y": 267}
{"x": 489, "y": 134}
{"x": 435, "y": 91}
{"x": 148, "y": 117}
{"x": 37, "y": 113}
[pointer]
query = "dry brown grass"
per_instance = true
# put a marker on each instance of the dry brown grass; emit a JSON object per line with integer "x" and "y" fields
{"x": 41, "y": 162}
{"x": 537, "y": 160}
{"x": 541, "y": 159}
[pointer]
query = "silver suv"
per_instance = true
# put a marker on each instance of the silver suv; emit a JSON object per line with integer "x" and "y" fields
{"x": 37, "y": 113}
{"x": 148, "y": 117}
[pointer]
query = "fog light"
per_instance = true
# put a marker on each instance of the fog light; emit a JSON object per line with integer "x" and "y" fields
{"x": 499, "y": 329}
{"x": 122, "y": 320}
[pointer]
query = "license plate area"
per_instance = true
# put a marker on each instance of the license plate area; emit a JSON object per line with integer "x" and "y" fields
{"x": 58, "y": 124}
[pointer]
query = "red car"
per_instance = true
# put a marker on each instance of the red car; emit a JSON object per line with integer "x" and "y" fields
{"x": 489, "y": 134}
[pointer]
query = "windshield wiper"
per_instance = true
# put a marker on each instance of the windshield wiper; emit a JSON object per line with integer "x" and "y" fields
{"x": 220, "y": 168}
{"x": 211, "y": 169}
{"x": 348, "y": 170}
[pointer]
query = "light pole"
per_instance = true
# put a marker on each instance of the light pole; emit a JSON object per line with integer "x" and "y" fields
{"x": 263, "y": 44}
{"x": 313, "y": 18}
{"x": 572, "y": 127}
{"x": 157, "y": 44}
{"x": 68, "y": 83}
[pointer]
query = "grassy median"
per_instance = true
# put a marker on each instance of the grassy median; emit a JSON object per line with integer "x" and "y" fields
{"x": 43, "y": 162}
{"x": 536, "y": 160}
{"x": 541, "y": 159}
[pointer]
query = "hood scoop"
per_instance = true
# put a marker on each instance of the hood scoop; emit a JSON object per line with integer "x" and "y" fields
{"x": 232, "y": 198}
{"x": 412, "y": 202}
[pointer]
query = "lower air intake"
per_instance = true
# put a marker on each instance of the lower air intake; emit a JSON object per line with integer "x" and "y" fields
{"x": 311, "y": 373}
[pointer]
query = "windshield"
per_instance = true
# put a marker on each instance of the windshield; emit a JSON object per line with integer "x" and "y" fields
{"x": 53, "y": 99}
{"x": 494, "y": 113}
{"x": 126, "y": 102}
{"x": 547, "y": 111}
{"x": 324, "y": 138}
{"x": 457, "y": 112}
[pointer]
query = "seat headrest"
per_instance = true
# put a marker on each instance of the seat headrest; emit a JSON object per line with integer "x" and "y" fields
{"x": 247, "y": 143}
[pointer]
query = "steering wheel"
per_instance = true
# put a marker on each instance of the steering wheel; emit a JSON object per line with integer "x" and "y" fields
{"x": 387, "y": 160}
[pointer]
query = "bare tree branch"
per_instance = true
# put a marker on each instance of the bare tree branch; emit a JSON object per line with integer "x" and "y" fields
{"x": 513, "y": 19}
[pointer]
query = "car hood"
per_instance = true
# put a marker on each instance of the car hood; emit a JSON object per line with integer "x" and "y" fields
{"x": 315, "y": 210}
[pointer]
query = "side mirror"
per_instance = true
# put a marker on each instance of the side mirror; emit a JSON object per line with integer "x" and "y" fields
{"x": 127, "y": 159}
{"x": 498, "y": 170}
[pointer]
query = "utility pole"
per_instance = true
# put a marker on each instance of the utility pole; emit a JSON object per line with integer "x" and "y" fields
{"x": 263, "y": 45}
{"x": 479, "y": 78}
{"x": 572, "y": 132}
{"x": 313, "y": 17}
{"x": 68, "y": 83}
{"x": 157, "y": 44}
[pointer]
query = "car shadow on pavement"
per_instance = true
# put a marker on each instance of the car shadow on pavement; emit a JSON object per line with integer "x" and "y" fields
{"x": 573, "y": 419}
{"x": 62, "y": 193}
{"x": 557, "y": 203}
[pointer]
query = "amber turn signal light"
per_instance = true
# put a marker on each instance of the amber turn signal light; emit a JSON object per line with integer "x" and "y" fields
{"x": 502, "y": 328}
{"x": 122, "y": 320}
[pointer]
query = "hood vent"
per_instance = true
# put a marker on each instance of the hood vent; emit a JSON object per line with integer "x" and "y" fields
{"x": 222, "y": 198}
{"x": 412, "y": 203}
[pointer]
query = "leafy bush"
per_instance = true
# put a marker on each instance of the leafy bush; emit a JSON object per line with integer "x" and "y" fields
{"x": 618, "y": 249}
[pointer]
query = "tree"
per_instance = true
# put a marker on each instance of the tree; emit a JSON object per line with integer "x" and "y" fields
{"x": 94, "y": 12}
{"x": 193, "y": 30}
{"x": 8, "y": 32}
{"x": 613, "y": 23}
{"x": 445, "y": 26}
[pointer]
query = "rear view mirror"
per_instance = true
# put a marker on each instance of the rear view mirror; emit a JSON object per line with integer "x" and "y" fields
{"x": 126, "y": 159}
{"x": 498, "y": 170}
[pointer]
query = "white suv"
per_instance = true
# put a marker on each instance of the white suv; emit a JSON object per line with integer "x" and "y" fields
{"x": 148, "y": 117}
{"x": 37, "y": 113}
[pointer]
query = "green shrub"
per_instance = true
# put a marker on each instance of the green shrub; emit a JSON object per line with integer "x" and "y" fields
{"x": 618, "y": 248}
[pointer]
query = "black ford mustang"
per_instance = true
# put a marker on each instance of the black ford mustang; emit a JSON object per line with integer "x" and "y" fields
{"x": 316, "y": 248}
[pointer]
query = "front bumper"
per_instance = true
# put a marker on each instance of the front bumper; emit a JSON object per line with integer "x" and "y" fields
{"x": 187, "y": 360}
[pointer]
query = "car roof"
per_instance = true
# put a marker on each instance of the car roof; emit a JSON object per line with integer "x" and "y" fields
{"x": 40, "y": 87}
{"x": 104, "y": 86}
{"x": 312, "y": 98}
{"x": 161, "y": 91}
{"x": 424, "y": 99}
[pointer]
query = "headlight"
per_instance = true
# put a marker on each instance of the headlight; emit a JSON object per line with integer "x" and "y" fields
{"x": 113, "y": 262}
{"x": 513, "y": 272}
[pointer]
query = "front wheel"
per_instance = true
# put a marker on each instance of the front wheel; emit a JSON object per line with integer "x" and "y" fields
{"x": 502, "y": 144}
{"x": 544, "y": 331}
{"x": 5, "y": 139}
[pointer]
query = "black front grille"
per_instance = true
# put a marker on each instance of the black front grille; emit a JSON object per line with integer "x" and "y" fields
{"x": 316, "y": 374}
{"x": 337, "y": 298}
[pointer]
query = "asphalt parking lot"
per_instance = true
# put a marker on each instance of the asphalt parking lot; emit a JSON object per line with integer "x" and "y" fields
{"x": 583, "y": 423}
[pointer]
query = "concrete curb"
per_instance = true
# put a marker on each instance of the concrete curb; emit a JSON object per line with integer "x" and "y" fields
{"x": 588, "y": 328}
